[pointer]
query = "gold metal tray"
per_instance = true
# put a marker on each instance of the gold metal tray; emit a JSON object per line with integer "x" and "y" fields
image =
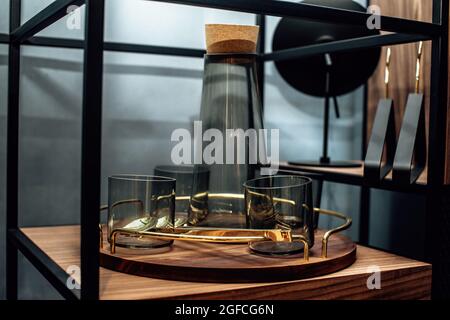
{"x": 219, "y": 235}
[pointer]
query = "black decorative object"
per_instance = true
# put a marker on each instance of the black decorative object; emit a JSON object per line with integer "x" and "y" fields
{"x": 328, "y": 75}
{"x": 410, "y": 157}
{"x": 378, "y": 163}
{"x": 383, "y": 136}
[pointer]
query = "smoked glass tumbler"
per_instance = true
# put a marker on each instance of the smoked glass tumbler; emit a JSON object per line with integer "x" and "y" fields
{"x": 140, "y": 203}
{"x": 186, "y": 177}
{"x": 280, "y": 202}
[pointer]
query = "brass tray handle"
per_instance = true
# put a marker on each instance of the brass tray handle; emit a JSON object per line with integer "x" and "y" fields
{"x": 206, "y": 235}
{"x": 102, "y": 208}
{"x": 327, "y": 235}
{"x": 229, "y": 235}
{"x": 105, "y": 207}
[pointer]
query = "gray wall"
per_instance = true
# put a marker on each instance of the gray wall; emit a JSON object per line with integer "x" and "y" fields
{"x": 145, "y": 98}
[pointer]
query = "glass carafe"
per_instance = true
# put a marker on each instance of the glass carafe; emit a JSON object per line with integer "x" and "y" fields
{"x": 231, "y": 112}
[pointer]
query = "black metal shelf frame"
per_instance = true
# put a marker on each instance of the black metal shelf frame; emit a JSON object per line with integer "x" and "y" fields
{"x": 360, "y": 181}
{"x": 402, "y": 31}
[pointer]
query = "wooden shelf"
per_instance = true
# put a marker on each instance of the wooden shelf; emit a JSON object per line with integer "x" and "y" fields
{"x": 401, "y": 278}
{"x": 355, "y": 176}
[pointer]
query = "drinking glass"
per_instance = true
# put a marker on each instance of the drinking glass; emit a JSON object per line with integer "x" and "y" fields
{"x": 186, "y": 176}
{"x": 280, "y": 202}
{"x": 140, "y": 203}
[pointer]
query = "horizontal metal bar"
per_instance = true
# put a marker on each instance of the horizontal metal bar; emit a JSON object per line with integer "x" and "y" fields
{"x": 116, "y": 46}
{"x": 357, "y": 180}
{"x": 55, "y": 42}
{"x": 4, "y": 38}
{"x": 138, "y": 48}
{"x": 314, "y": 12}
{"x": 335, "y": 46}
{"x": 53, "y": 12}
{"x": 343, "y": 45}
{"x": 43, "y": 263}
{"x": 58, "y": 9}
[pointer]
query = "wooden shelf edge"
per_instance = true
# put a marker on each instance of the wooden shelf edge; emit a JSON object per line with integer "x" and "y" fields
{"x": 355, "y": 176}
{"x": 401, "y": 278}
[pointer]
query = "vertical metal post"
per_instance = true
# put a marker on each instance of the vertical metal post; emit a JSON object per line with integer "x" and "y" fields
{"x": 261, "y": 22}
{"x": 365, "y": 116}
{"x": 91, "y": 148}
{"x": 438, "y": 215}
{"x": 12, "y": 161}
{"x": 364, "y": 217}
{"x": 325, "y": 159}
{"x": 364, "y": 197}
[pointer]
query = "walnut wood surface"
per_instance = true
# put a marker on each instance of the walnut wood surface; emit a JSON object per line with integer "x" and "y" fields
{"x": 401, "y": 278}
{"x": 229, "y": 263}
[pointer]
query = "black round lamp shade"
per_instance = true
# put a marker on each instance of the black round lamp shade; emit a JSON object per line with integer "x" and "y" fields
{"x": 349, "y": 70}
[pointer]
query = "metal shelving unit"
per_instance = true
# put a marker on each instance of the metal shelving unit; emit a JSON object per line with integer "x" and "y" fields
{"x": 402, "y": 31}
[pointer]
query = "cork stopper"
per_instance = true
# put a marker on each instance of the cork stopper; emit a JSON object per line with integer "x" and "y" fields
{"x": 231, "y": 38}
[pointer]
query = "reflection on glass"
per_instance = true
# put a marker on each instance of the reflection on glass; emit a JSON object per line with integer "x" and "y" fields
{"x": 185, "y": 177}
{"x": 280, "y": 202}
{"x": 140, "y": 203}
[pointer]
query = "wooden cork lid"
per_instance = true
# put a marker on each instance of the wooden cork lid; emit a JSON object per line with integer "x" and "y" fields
{"x": 231, "y": 38}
